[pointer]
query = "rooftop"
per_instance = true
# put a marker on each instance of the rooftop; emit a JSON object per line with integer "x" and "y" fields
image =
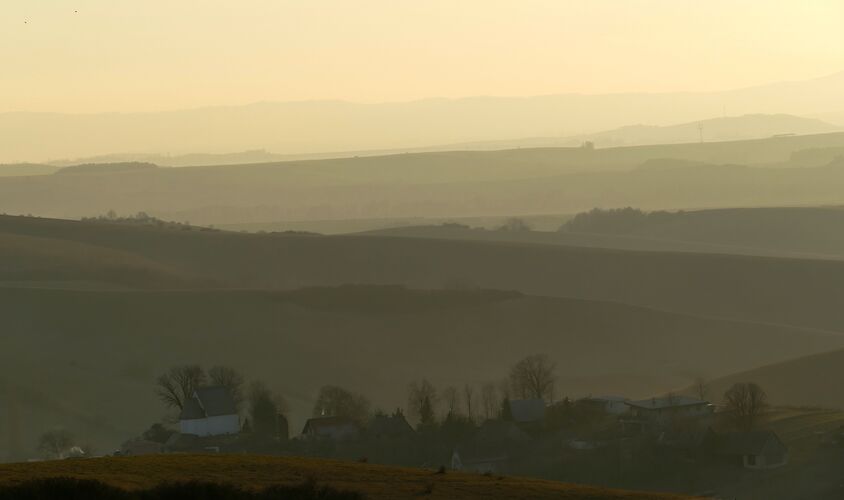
{"x": 666, "y": 402}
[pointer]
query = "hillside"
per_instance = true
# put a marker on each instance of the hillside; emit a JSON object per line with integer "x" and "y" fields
{"x": 375, "y": 481}
{"x": 456, "y": 183}
{"x": 797, "y": 232}
{"x": 799, "y": 292}
{"x": 804, "y": 381}
{"x": 733, "y": 128}
{"x": 107, "y": 347}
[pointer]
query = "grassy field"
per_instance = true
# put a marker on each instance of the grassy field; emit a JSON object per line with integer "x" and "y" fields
{"x": 377, "y": 482}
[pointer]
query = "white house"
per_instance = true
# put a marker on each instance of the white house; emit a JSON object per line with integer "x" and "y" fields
{"x": 754, "y": 449}
{"x": 661, "y": 412}
{"x": 210, "y": 412}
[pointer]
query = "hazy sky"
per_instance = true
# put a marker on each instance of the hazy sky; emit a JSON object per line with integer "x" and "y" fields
{"x": 139, "y": 55}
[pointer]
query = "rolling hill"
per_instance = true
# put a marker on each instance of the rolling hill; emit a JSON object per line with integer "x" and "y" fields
{"x": 812, "y": 381}
{"x": 325, "y": 126}
{"x": 449, "y": 184}
{"x": 798, "y": 292}
{"x": 796, "y": 232}
{"x": 87, "y": 360}
{"x": 375, "y": 481}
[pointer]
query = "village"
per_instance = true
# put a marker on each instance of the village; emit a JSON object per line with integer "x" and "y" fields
{"x": 678, "y": 442}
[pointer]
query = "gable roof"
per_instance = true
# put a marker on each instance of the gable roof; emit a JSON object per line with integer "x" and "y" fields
{"x": 208, "y": 402}
{"x": 389, "y": 425}
{"x": 666, "y": 402}
{"x": 326, "y": 424}
{"x": 191, "y": 410}
{"x": 527, "y": 410}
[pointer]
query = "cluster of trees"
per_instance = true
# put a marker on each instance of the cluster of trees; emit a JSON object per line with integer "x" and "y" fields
{"x": 746, "y": 404}
{"x": 532, "y": 377}
{"x": 142, "y": 219}
{"x": 614, "y": 220}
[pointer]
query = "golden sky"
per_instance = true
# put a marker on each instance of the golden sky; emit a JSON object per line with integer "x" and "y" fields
{"x": 148, "y": 55}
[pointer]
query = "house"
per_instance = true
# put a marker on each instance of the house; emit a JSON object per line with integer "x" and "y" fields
{"x": 211, "y": 411}
{"x": 334, "y": 428}
{"x": 389, "y": 427}
{"x": 490, "y": 463}
{"x": 753, "y": 450}
{"x": 527, "y": 411}
{"x": 500, "y": 432}
{"x": 611, "y": 405}
{"x": 657, "y": 413}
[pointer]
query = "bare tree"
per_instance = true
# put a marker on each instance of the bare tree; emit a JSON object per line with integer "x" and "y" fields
{"x": 231, "y": 380}
{"x": 451, "y": 398}
{"x": 701, "y": 388}
{"x": 178, "y": 384}
{"x": 489, "y": 400}
{"x": 338, "y": 402}
{"x": 419, "y": 396}
{"x": 56, "y": 443}
{"x": 468, "y": 400}
{"x": 746, "y": 403}
{"x": 533, "y": 377}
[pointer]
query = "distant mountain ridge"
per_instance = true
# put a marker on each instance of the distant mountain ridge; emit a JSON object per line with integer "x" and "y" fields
{"x": 324, "y": 126}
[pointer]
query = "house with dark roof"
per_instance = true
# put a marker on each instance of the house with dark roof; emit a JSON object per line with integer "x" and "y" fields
{"x": 527, "y": 411}
{"x": 389, "y": 427}
{"x": 211, "y": 411}
{"x": 334, "y": 428}
{"x": 753, "y": 450}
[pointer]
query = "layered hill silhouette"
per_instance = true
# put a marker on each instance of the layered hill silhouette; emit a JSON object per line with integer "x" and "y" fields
{"x": 457, "y": 183}
{"x": 797, "y": 232}
{"x": 325, "y": 126}
{"x": 798, "y": 292}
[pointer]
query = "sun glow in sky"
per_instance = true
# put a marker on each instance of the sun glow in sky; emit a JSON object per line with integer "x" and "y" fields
{"x": 133, "y": 55}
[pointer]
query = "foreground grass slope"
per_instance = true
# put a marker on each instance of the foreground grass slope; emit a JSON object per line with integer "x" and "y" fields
{"x": 376, "y": 482}
{"x": 87, "y": 360}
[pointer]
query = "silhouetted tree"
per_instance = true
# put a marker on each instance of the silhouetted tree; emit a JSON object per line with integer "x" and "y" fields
{"x": 178, "y": 385}
{"x": 701, "y": 388}
{"x": 263, "y": 409}
{"x": 489, "y": 400}
{"x": 338, "y": 402}
{"x": 505, "y": 413}
{"x": 746, "y": 403}
{"x": 533, "y": 377}
{"x": 468, "y": 400}
{"x": 56, "y": 443}
{"x": 426, "y": 413}
{"x": 231, "y": 380}
{"x": 419, "y": 395}
{"x": 451, "y": 398}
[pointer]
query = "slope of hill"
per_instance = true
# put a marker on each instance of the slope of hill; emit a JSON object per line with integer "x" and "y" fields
{"x": 25, "y": 169}
{"x": 808, "y": 231}
{"x": 734, "y": 128}
{"x": 813, "y": 381}
{"x": 375, "y": 481}
{"x": 528, "y": 181}
{"x": 321, "y": 126}
{"x": 106, "y": 347}
{"x": 798, "y": 292}
{"x": 796, "y": 232}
